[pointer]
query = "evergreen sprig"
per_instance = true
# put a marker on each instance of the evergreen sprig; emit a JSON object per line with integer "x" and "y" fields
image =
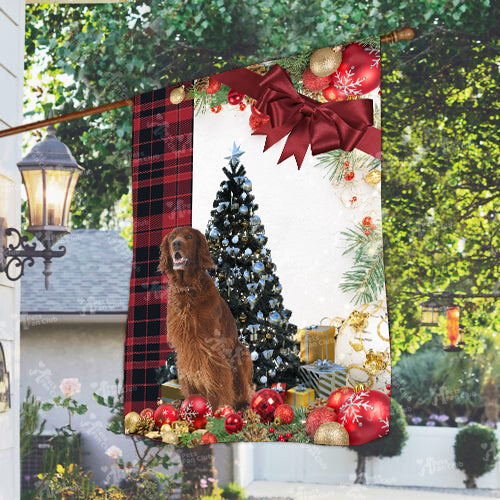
{"x": 295, "y": 65}
{"x": 204, "y": 102}
{"x": 366, "y": 278}
{"x": 371, "y": 41}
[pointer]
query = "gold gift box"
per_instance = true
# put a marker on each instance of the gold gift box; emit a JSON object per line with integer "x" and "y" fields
{"x": 171, "y": 390}
{"x": 299, "y": 396}
{"x": 317, "y": 342}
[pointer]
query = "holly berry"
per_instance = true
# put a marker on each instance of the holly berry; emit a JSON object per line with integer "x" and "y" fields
{"x": 216, "y": 109}
{"x": 349, "y": 176}
{"x": 346, "y": 163}
{"x": 288, "y": 435}
{"x": 367, "y": 221}
{"x": 367, "y": 232}
{"x": 280, "y": 437}
{"x": 213, "y": 86}
{"x": 389, "y": 393}
{"x": 354, "y": 198}
{"x": 243, "y": 106}
{"x": 388, "y": 387}
{"x": 271, "y": 430}
{"x": 373, "y": 226}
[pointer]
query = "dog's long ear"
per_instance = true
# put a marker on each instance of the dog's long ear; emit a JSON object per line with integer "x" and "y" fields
{"x": 204, "y": 258}
{"x": 166, "y": 265}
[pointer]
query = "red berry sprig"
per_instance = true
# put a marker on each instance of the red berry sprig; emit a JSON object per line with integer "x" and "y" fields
{"x": 216, "y": 109}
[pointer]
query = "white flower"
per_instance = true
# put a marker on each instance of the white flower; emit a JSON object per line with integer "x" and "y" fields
{"x": 70, "y": 386}
{"x": 114, "y": 452}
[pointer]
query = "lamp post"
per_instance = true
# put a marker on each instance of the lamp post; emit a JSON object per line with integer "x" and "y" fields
{"x": 50, "y": 173}
{"x": 429, "y": 315}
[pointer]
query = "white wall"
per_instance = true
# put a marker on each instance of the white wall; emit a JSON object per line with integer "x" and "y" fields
{"x": 427, "y": 460}
{"x": 11, "y": 88}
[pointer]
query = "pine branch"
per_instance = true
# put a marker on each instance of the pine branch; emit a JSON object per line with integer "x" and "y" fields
{"x": 371, "y": 41}
{"x": 204, "y": 102}
{"x": 295, "y": 65}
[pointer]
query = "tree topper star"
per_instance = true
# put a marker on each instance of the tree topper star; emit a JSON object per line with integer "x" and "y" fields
{"x": 234, "y": 154}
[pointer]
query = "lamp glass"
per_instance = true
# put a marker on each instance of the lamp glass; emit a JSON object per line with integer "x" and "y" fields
{"x": 429, "y": 314}
{"x": 33, "y": 181}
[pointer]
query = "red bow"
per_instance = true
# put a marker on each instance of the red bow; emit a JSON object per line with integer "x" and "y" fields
{"x": 324, "y": 126}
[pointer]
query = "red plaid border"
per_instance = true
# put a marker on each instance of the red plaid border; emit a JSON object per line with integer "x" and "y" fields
{"x": 162, "y": 172}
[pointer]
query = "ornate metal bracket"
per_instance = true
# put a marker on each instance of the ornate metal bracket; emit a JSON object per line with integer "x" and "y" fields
{"x": 16, "y": 257}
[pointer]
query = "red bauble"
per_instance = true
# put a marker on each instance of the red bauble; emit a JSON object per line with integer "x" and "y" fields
{"x": 165, "y": 414}
{"x": 349, "y": 176}
{"x": 359, "y": 72}
{"x": 208, "y": 438}
{"x": 223, "y": 411}
{"x": 332, "y": 93}
{"x": 285, "y": 413}
{"x": 313, "y": 82}
{"x": 338, "y": 397}
{"x": 317, "y": 417}
{"x": 148, "y": 413}
{"x": 365, "y": 416}
{"x": 195, "y": 410}
{"x": 243, "y": 107}
{"x": 367, "y": 221}
{"x": 257, "y": 121}
{"x": 213, "y": 86}
{"x": 233, "y": 423}
{"x": 234, "y": 97}
{"x": 264, "y": 402}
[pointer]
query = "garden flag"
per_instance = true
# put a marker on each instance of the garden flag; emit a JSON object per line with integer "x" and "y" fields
{"x": 257, "y": 297}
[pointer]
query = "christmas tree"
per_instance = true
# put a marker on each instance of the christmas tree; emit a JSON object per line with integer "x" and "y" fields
{"x": 246, "y": 278}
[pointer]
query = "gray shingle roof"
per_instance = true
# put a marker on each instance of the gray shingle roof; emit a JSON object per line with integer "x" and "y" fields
{"x": 93, "y": 277}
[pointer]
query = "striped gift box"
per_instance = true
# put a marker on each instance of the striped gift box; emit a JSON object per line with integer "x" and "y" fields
{"x": 323, "y": 376}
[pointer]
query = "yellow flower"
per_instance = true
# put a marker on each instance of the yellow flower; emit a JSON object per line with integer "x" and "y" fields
{"x": 40, "y": 476}
{"x": 60, "y": 469}
{"x": 70, "y": 468}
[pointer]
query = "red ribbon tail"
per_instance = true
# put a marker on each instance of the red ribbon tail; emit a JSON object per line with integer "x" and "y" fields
{"x": 297, "y": 143}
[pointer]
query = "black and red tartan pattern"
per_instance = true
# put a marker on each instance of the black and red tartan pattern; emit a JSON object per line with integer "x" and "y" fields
{"x": 162, "y": 173}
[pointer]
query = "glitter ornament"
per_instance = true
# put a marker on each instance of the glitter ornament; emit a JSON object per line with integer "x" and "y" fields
{"x": 332, "y": 434}
{"x": 317, "y": 417}
{"x": 313, "y": 82}
{"x": 195, "y": 410}
{"x": 325, "y": 61}
{"x": 285, "y": 413}
{"x": 373, "y": 177}
{"x": 264, "y": 402}
{"x": 147, "y": 413}
{"x": 131, "y": 419}
{"x": 213, "y": 86}
{"x": 208, "y": 438}
{"x": 177, "y": 95}
{"x": 233, "y": 423}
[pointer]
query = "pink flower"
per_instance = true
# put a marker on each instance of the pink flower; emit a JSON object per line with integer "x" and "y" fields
{"x": 114, "y": 452}
{"x": 70, "y": 386}
{"x": 203, "y": 483}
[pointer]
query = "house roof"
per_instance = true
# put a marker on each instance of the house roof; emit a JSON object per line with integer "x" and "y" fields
{"x": 92, "y": 278}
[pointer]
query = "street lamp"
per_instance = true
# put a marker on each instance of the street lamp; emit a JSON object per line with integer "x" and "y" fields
{"x": 50, "y": 173}
{"x": 429, "y": 313}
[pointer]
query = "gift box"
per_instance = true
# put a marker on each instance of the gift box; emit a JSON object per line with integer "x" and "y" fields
{"x": 299, "y": 396}
{"x": 171, "y": 391}
{"x": 323, "y": 376}
{"x": 317, "y": 342}
{"x": 279, "y": 387}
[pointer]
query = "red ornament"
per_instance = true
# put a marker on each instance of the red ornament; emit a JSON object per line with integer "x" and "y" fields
{"x": 213, "y": 86}
{"x": 349, "y": 176}
{"x": 271, "y": 430}
{"x": 216, "y": 109}
{"x": 317, "y": 417}
{"x": 233, "y": 423}
{"x": 148, "y": 413}
{"x": 223, "y": 411}
{"x": 208, "y": 438}
{"x": 285, "y": 412}
{"x": 359, "y": 72}
{"x": 367, "y": 232}
{"x": 389, "y": 394}
{"x": 367, "y": 221}
{"x": 195, "y": 410}
{"x": 313, "y": 82}
{"x": 288, "y": 435}
{"x": 234, "y": 97}
{"x": 332, "y": 93}
{"x": 264, "y": 402}
{"x": 243, "y": 106}
{"x": 165, "y": 414}
{"x": 354, "y": 199}
{"x": 257, "y": 121}
{"x": 338, "y": 397}
{"x": 365, "y": 416}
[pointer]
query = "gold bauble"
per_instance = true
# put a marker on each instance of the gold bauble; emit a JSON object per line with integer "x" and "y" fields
{"x": 277, "y": 421}
{"x": 177, "y": 95}
{"x": 153, "y": 435}
{"x": 180, "y": 427}
{"x": 325, "y": 61}
{"x": 165, "y": 428}
{"x": 170, "y": 437}
{"x": 331, "y": 433}
{"x": 131, "y": 419}
{"x": 373, "y": 178}
{"x": 359, "y": 388}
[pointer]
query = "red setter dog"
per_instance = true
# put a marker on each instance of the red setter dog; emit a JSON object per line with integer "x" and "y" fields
{"x": 211, "y": 361}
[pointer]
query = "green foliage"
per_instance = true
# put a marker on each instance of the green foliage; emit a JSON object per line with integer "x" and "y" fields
{"x": 30, "y": 423}
{"x": 392, "y": 444}
{"x": 233, "y": 492}
{"x": 476, "y": 451}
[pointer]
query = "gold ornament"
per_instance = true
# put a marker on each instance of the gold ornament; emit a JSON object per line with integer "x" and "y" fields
{"x": 243, "y": 317}
{"x": 331, "y": 433}
{"x": 165, "y": 428}
{"x": 358, "y": 320}
{"x": 359, "y": 388}
{"x": 153, "y": 435}
{"x": 373, "y": 178}
{"x": 131, "y": 419}
{"x": 325, "y": 61}
{"x": 277, "y": 421}
{"x": 201, "y": 84}
{"x": 375, "y": 362}
{"x": 180, "y": 427}
{"x": 177, "y": 95}
{"x": 170, "y": 437}
{"x": 317, "y": 403}
{"x": 144, "y": 425}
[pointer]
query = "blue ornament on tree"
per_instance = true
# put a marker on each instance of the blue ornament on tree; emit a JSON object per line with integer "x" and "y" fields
{"x": 235, "y": 239}
{"x": 274, "y": 318}
{"x": 214, "y": 233}
{"x": 243, "y": 210}
{"x": 258, "y": 267}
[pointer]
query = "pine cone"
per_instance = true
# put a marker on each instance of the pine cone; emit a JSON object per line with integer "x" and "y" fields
{"x": 195, "y": 442}
{"x": 255, "y": 433}
{"x": 317, "y": 96}
{"x": 176, "y": 403}
{"x": 251, "y": 417}
{"x": 201, "y": 84}
{"x": 318, "y": 402}
{"x": 144, "y": 425}
{"x": 257, "y": 68}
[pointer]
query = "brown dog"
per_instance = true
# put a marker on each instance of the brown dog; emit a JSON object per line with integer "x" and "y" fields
{"x": 211, "y": 361}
